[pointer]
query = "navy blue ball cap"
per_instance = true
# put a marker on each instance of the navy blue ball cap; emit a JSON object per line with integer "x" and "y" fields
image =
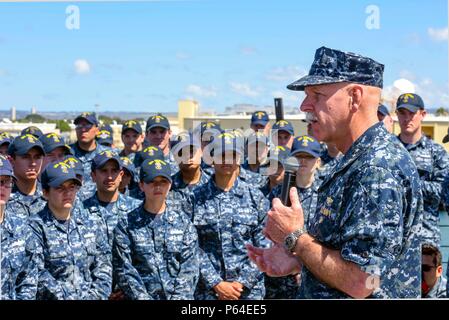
{"x": 5, "y": 138}
{"x": 257, "y": 137}
{"x": 383, "y": 110}
{"x": 334, "y": 66}
{"x": 149, "y": 152}
{"x": 103, "y": 157}
{"x": 410, "y": 101}
{"x": 75, "y": 163}
{"x": 24, "y": 143}
{"x": 284, "y": 125}
{"x": 186, "y": 140}
{"x": 260, "y": 117}
{"x": 89, "y": 117}
{"x": 227, "y": 141}
{"x": 56, "y": 173}
{"x": 306, "y": 144}
{"x": 128, "y": 166}
{"x": 132, "y": 125}
{"x": 156, "y": 121}
{"x": 279, "y": 153}
{"x": 6, "y": 167}
{"x": 105, "y": 135}
{"x": 51, "y": 141}
{"x": 153, "y": 168}
{"x": 35, "y": 131}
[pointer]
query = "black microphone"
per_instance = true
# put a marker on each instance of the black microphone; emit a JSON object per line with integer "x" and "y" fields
{"x": 279, "y": 109}
{"x": 291, "y": 165}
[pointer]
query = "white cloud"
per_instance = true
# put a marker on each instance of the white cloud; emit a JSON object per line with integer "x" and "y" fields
{"x": 286, "y": 74}
{"x": 244, "y": 89}
{"x": 248, "y": 50}
{"x": 182, "y": 56}
{"x": 199, "y": 91}
{"x": 81, "y": 66}
{"x": 438, "y": 35}
{"x": 288, "y": 98}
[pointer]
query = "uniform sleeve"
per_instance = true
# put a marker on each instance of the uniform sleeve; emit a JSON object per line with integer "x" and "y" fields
{"x": 127, "y": 276}
{"x": 372, "y": 223}
{"x": 26, "y": 283}
{"x": 187, "y": 278}
{"x": 101, "y": 270}
{"x": 249, "y": 274}
{"x": 432, "y": 185}
{"x": 48, "y": 287}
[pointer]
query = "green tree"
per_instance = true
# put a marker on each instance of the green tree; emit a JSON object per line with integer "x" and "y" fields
{"x": 63, "y": 126}
{"x": 441, "y": 112}
{"x": 33, "y": 118}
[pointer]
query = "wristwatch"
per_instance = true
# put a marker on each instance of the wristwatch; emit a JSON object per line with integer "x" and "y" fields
{"x": 290, "y": 240}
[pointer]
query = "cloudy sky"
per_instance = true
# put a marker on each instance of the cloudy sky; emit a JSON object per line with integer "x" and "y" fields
{"x": 145, "y": 56}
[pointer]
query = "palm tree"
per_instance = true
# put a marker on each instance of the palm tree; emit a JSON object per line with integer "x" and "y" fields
{"x": 441, "y": 112}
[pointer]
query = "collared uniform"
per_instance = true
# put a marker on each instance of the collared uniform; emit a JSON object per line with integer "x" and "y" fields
{"x": 438, "y": 290}
{"x": 432, "y": 162}
{"x": 73, "y": 257}
{"x": 32, "y": 204}
{"x": 225, "y": 222}
{"x": 86, "y": 158}
{"x": 370, "y": 210}
{"x": 156, "y": 257}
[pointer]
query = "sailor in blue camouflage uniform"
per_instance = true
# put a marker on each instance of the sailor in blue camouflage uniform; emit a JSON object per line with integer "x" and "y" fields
{"x": 159, "y": 134}
{"x": 130, "y": 179}
{"x": 207, "y": 130}
{"x": 72, "y": 253}
{"x": 5, "y": 141}
{"x": 430, "y": 158}
{"x": 107, "y": 203}
{"x": 18, "y": 272}
{"x": 33, "y": 130}
{"x": 54, "y": 147}
{"x": 260, "y": 121}
{"x": 132, "y": 138}
{"x": 105, "y": 137}
{"x": 86, "y": 146}
{"x": 88, "y": 188}
{"x": 155, "y": 252}
{"x": 307, "y": 151}
{"x": 363, "y": 240}
{"x": 256, "y": 151}
{"x": 27, "y": 153}
{"x": 283, "y": 133}
{"x": 228, "y": 213}
{"x": 273, "y": 170}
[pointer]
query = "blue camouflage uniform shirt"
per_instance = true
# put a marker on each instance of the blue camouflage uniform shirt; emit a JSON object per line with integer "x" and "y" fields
{"x": 370, "y": 209}
{"x": 86, "y": 158}
{"x": 432, "y": 162}
{"x": 18, "y": 272}
{"x": 73, "y": 257}
{"x": 287, "y": 287}
{"x": 156, "y": 257}
{"x": 32, "y": 203}
{"x": 110, "y": 214}
{"x": 225, "y": 222}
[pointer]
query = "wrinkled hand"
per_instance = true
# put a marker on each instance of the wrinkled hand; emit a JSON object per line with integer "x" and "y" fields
{"x": 274, "y": 261}
{"x": 228, "y": 290}
{"x": 284, "y": 220}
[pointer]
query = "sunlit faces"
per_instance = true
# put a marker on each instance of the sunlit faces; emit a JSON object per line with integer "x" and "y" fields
{"x": 328, "y": 110}
{"x": 410, "y": 122}
{"x": 132, "y": 140}
{"x": 6, "y": 184}
{"x": 86, "y": 132}
{"x": 159, "y": 137}
{"x": 157, "y": 189}
{"x": 282, "y": 138}
{"x": 56, "y": 154}
{"x": 188, "y": 157}
{"x": 62, "y": 197}
{"x": 108, "y": 177}
{"x": 307, "y": 163}
{"x": 126, "y": 180}
{"x": 226, "y": 163}
{"x": 29, "y": 165}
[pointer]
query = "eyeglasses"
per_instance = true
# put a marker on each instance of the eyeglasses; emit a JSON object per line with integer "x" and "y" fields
{"x": 8, "y": 184}
{"x": 87, "y": 126}
{"x": 427, "y": 268}
{"x": 71, "y": 189}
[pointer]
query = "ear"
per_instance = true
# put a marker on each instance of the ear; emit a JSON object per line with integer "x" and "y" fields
{"x": 45, "y": 194}
{"x": 355, "y": 98}
{"x": 141, "y": 186}
{"x": 439, "y": 271}
{"x": 423, "y": 113}
{"x": 94, "y": 176}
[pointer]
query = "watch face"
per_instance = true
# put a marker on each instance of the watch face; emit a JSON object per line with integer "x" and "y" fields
{"x": 289, "y": 241}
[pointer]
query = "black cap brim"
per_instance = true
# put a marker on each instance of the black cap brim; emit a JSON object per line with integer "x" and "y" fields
{"x": 446, "y": 139}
